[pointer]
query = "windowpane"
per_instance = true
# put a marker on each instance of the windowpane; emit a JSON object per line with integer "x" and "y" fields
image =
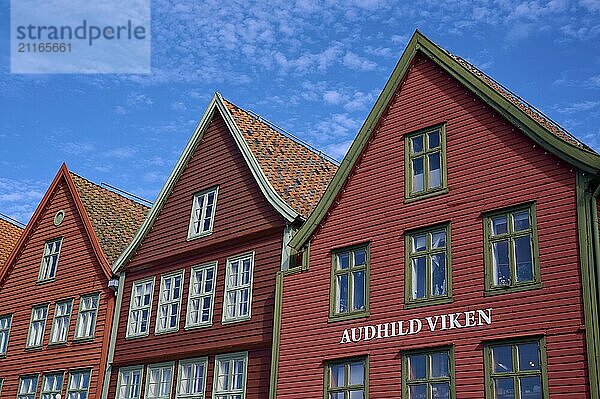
{"x": 440, "y": 390}
{"x": 499, "y": 225}
{"x": 357, "y": 394}
{"x": 417, "y": 144}
{"x": 438, "y": 239}
{"x": 502, "y": 359}
{"x": 27, "y": 387}
{"x": 419, "y": 277}
{"x": 501, "y": 263}
{"x": 346, "y": 380}
{"x": 359, "y": 290}
{"x": 418, "y": 391}
{"x": 531, "y": 387}
{"x": 521, "y": 220}
{"x": 79, "y": 384}
{"x": 357, "y": 373}
{"x": 88, "y": 311}
{"x": 439, "y": 364}
{"x": 529, "y": 356}
{"x": 418, "y": 181}
{"x": 338, "y": 375}
{"x": 203, "y": 213}
{"x": 159, "y": 382}
{"x": 201, "y": 296}
{"x": 169, "y": 302}
{"x": 230, "y": 377}
{"x": 435, "y": 171}
{"x": 60, "y": 325}
{"x": 419, "y": 242}
{"x": 343, "y": 260}
{"x": 50, "y": 259}
{"x": 140, "y": 307}
{"x": 342, "y": 293}
{"x": 438, "y": 267}
{"x": 37, "y": 326}
{"x": 360, "y": 257}
{"x": 434, "y": 139}
{"x": 129, "y": 383}
{"x": 417, "y": 367}
{"x": 524, "y": 259}
{"x": 504, "y": 388}
{"x": 51, "y": 385}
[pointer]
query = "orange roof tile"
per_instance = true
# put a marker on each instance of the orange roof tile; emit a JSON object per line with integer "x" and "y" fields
{"x": 9, "y": 235}
{"x": 114, "y": 218}
{"x": 298, "y": 173}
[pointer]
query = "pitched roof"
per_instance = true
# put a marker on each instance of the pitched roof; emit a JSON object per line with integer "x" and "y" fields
{"x": 114, "y": 218}
{"x": 534, "y": 124}
{"x": 9, "y": 236}
{"x": 298, "y": 173}
{"x": 290, "y": 175}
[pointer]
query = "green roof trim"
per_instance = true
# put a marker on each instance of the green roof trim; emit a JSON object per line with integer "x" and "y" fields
{"x": 583, "y": 160}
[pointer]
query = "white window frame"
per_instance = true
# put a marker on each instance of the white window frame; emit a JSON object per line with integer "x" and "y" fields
{"x": 130, "y": 370}
{"x": 225, "y": 319}
{"x": 91, "y": 311}
{"x": 162, "y": 303}
{"x": 200, "y": 297}
{"x": 5, "y": 333}
{"x": 191, "y": 230}
{"x": 230, "y": 357}
{"x": 162, "y": 367}
{"x": 28, "y": 394}
{"x": 194, "y": 363}
{"x": 43, "y": 273}
{"x": 31, "y": 321}
{"x": 128, "y": 334}
{"x": 55, "y": 319}
{"x": 78, "y": 389}
{"x": 51, "y": 394}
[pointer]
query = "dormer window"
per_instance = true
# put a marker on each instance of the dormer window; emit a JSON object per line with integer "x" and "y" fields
{"x": 50, "y": 260}
{"x": 203, "y": 213}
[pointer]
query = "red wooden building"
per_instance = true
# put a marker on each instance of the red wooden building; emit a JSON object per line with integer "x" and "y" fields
{"x": 9, "y": 235}
{"x": 197, "y": 283}
{"x": 55, "y": 305}
{"x": 454, "y": 254}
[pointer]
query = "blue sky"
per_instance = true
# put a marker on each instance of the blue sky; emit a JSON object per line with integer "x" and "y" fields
{"x": 314, "y": 68}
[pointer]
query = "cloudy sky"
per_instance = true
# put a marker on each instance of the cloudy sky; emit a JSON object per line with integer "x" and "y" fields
{"x": 314, "y": 68}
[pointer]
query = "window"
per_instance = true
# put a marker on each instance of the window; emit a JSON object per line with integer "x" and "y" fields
{"x": 138, "y": 323}
{"x": 203, "y": 213}
{"x": 128, "y": 386}
{"x": 429, "y": 374}
{"x": 201, "y": 295}
{"x": 37, "y": 326}
{"x": 5, "y": 322}
{"x": 230, "y": 376}
{"x": 428, "y": 273}
{"x": 238, "y": 288}
{"x": 169, "y": 303}
{"x": 516, "y": 370}
{"x": 511, "y": 250}
{"x": 50, "y": 260}
{"x": 52, "y": 385}
{"x": 192, "y": 377}
{"x": 425, "y": 161}
{"x": 79, "y": 384}
{"x": 88, "y": 312}
{"x": 346, "y": 379}
{"x": 60, "y": 325}
{"x": 158, "y": 381}
{"x": 27, "y": 387}
{"x": 350, "y": 282}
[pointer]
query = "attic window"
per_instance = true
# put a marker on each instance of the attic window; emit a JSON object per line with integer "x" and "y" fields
{"x": 50, "y": 260}
{"x": 203, "y": 213}
{"x": 59, "y": 217}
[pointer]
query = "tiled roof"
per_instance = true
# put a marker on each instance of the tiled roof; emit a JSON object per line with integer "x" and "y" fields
{"x": 9, "y": 235}
{"x": 114, "y": 218}
{"x": 298, "y": 173}
{"x": 523, "y": 105}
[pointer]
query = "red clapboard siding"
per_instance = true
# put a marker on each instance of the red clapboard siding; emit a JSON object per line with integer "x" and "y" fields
{"x": 78, "y": 273}
{"x": 244, "y": 222}
{"x": 490, "y": 165}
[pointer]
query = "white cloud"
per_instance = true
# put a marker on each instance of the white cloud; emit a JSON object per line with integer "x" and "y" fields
{"x": 19, "y": 198}
{"x": 591, "y": 5}
{"x": 121, "y": 152}
{"x": 333, "y": 97}
{"x": 354, "y": 61}
{"x": 578, "y": 107}
{"x": 338, "y": 150}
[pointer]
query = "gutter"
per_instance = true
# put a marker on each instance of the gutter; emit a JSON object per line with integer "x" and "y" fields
{"x": 113, "y": 337}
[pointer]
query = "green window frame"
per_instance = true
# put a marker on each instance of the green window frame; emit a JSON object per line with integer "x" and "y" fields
{"x": 230, "y": 376}
{"x": 425, "y": 152}
{"x": 50, "y": 258}
{"x": 514, "y": 370}
{"x": 344, "y": 378}
{"x": 28, "y": 385}
{"x": 87, "y": 316}
{"x": 428, "y": 373}
{"x": 349, "y": 288}
{"x": 508, "y": 233}
{"x": 428, "y": 266}
{"x": 129, "y": 382}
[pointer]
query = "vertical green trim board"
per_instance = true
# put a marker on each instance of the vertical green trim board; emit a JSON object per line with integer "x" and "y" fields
{"x": 588, "y": 247}
{"x": 276, "y": 335}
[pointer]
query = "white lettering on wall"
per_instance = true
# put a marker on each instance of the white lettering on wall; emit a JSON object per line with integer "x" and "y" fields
{"x": 448, "y": 321}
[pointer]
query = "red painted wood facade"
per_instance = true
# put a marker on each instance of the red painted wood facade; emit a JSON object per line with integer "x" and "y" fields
{"x": 244, "y": 222}
{"x": 80, "y": 271}
{"x": 490, "y": 165}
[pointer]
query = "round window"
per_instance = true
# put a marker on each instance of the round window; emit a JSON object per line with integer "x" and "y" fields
{"x": 59, "y": 217}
